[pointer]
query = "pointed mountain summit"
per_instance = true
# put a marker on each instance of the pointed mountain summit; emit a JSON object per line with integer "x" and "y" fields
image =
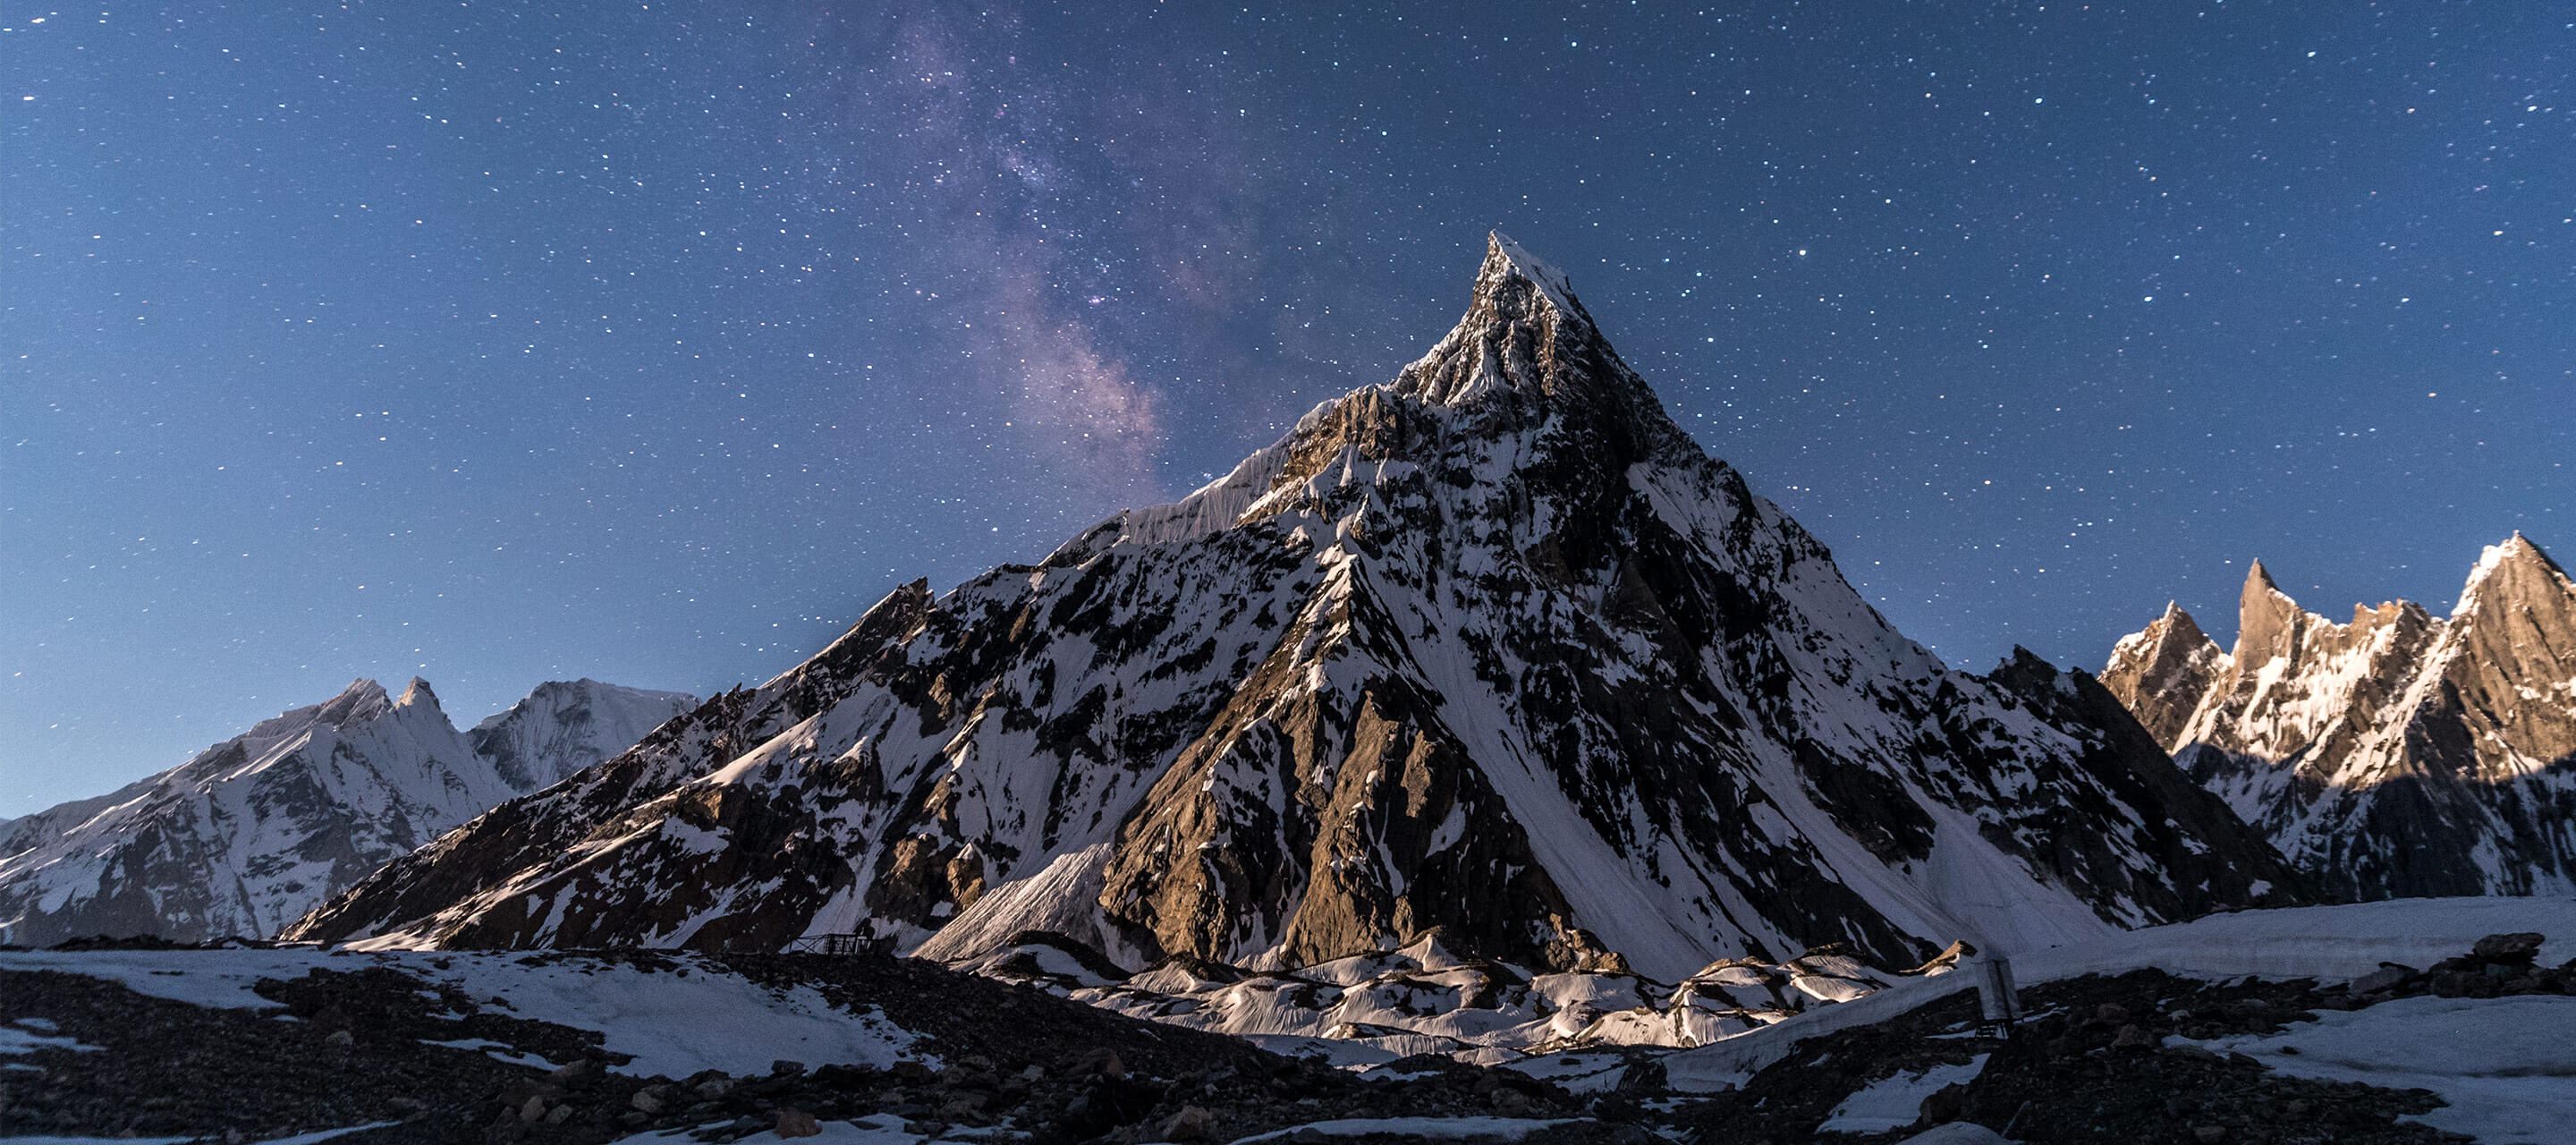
{"x": 418, "y": 692}
{"x": 254, "y": 831}
{"x": 2171, "y": 663}
{"x": 2398, "y": 755}
{"x": 565, "y": 726}
{"x": 1492, "y": 652}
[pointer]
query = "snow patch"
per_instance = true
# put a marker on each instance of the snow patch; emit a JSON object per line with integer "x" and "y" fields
{"x": 1893, "y": 1103}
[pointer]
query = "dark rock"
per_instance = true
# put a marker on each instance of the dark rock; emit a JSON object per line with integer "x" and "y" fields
{"x": 2519, "y": 949}
{"x": 1192, "y": 1123}
{"x": 1100, "y": 1062}
{"x": 2389, "y": 976}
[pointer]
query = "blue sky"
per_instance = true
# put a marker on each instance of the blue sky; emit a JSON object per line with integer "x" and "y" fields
{"x": 496, "y": 344}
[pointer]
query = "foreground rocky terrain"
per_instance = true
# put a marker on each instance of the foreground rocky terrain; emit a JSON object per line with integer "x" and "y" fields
{"x": 2398, "y": 754}
{"x": 601, "y": 1046}
{"x": 254, "y": 831}
{"x": 417, "y": 1053}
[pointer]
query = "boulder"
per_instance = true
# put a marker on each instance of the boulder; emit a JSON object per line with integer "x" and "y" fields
{"x": 1192, "y": 1123}
{"x": 2518, "y": 949}
{"x": 2389, "y": 976}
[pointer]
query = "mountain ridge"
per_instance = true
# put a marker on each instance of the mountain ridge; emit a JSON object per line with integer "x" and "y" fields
{"x": 2398, "y": 754}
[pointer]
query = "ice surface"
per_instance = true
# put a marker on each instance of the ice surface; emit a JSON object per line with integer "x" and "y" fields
{"x": 2507, "y": 1066}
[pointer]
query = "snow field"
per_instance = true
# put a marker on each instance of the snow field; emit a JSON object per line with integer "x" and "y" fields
{"x": 674, "y": 1023}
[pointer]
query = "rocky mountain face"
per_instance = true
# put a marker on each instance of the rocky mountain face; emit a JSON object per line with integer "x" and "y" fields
{"x": 2400, "y": 754}
{"x": 1492, "y": 651}
{"x": 256, "y": 830}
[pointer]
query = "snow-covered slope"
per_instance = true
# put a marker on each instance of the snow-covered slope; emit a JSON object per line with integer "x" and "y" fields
{"x": 2400, "y": 754}
{"x": 1492, "y": 650}
{"x": 254, "y": 831}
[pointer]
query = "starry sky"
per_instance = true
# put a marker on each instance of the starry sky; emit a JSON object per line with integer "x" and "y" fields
{"x": 495, "y": 343}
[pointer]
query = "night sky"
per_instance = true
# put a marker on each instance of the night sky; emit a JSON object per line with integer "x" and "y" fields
{"x": 652, "y": 343}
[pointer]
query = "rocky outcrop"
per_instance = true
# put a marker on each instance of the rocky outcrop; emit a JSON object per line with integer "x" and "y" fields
{"x": 2396, "y": 755}
{"x": 1492, "y": 650}
{"x": 254, "y": 831}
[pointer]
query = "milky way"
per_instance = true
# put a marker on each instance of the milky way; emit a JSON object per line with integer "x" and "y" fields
{"x": 496, "y": 344}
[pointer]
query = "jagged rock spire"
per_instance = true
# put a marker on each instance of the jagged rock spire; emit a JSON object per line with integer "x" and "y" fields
{"x": 2267, "y": 620}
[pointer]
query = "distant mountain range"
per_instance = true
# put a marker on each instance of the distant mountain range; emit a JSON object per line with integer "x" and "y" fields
{"x": 256, "y": 830}
{"x": 2398, "y": 755}
{"x": 1492, "y": 652}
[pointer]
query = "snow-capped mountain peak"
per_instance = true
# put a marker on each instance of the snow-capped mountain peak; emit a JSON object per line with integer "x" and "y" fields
{"x": 1526, "y": 334}
{"x": 1492, "y": 650}
{"x": 253, "y": 831}
{"x": 565, "y": 726}
{"x": 361, "y": 701}
{"x": 418, "y": 692}
{"x": 1551, "y": 282}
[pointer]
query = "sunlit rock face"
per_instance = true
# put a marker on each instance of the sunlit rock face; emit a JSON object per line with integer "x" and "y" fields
{"x": 1493, "y": 650}
{"x": 2398, "y": 755}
